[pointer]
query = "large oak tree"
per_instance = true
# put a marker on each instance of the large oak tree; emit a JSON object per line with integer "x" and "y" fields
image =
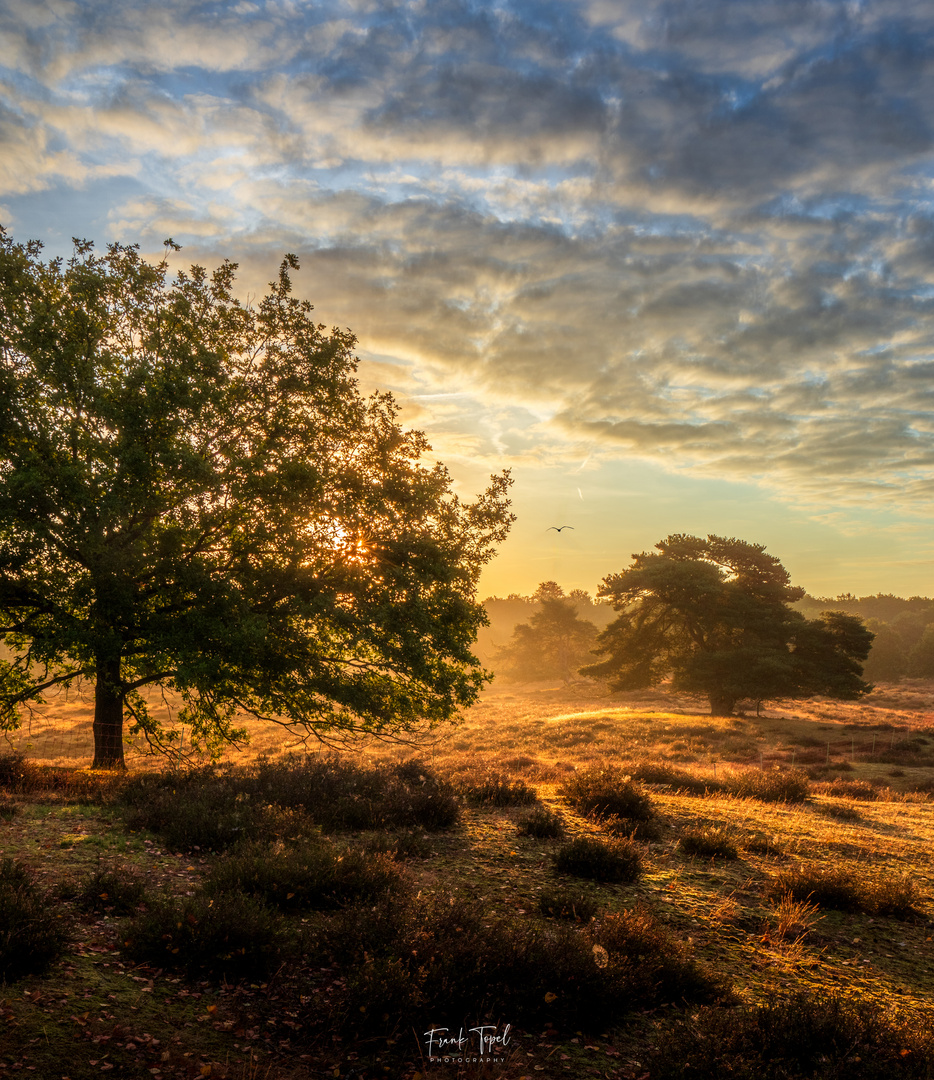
{"x": 714, "y": 616}
{"x": 194, "y": 494}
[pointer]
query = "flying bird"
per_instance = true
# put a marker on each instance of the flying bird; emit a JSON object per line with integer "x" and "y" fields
{"x": 558, "y": 528}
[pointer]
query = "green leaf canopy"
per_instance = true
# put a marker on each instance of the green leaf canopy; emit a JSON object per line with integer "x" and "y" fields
{"x": 193, "y": 493}
{"x": 713, "y": 615}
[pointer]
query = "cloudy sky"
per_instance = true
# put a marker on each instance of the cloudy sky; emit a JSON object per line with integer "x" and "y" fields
{"x": 671, "y": 262}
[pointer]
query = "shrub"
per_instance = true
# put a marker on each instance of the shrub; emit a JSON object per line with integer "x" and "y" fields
{"x": 32, "y": 931}
{"x": 599, "y": 860}
{"x": 710, "y": 843}
{"x": 311, "y": 875}
{"x": 802, "y": 1036}
{"x": 679, "y": 780}
{"x": 838, "y": 810}
{"x": 399, "y": 846}
{"x": 110, "y": 890}
{"x": 542, "y": 823}
{"x": 604, "y": 791}
{"x": 772, "y": 786}
{"x": 498, "y": 789}
{"x": 198, "y": 810}
{"x": 229, "y": 935}
{"x": 761, "y": 844}
{"x": 847, "y": 789}
{"x": 655, "y": 965}
{"x": 445, "y": 958}
{"x": 563, "y": 904}
{"x": 342, "y": 795}
{"x": 15, "y": 771}
{"x": 849, "y": 889}
{"x": 646, "y": 831}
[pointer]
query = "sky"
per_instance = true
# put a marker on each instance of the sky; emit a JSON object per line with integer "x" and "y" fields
{"x": 672, "y": 263}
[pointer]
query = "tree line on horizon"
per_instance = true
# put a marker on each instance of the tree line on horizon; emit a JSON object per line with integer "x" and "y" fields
{"x": 902, "y": 646}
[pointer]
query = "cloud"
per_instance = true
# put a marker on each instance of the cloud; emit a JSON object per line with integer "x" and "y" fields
{"x": 700, "y": 234}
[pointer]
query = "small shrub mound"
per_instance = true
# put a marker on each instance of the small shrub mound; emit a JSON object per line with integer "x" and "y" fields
{"x": 542, "y": 823}
{"x": 861, "y": 790}
{"x": 803, "y": 1037}
{"x": 498, "y": 789}
{"x": 563, "y": 904}
{"x": 212, "y": 808}
{"x": 32, "y": 931}
{"x": 655, "y": 965}
{"x": 313, "y": 875}
{"x": 603, "y": 791}
{"x": 600, "y": 860}
{"x": 679, "y": 780}
{"x": 340, "y": 795}
{"x": 228, "y": 935}
{"x": 113, "y": 890}
{"x": 760, "y": 843}
{"x": 709, "y": 843}
{"x": 197, "y": 810}
{"x": 841, "y": 811}
{"x": 849, "y": 889}
{"x": 15, "y": 771}
{"x": 771, "y": 786}
{"x": 437, "y": 957}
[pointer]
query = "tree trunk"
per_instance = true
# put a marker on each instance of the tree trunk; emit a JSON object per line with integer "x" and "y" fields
{"x": 108, "y": 716}
{"x": 721, "y": 704}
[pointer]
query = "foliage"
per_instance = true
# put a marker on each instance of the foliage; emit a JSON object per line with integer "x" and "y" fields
{"x": 195, "y": 495}
{"x": 542, "y": 823}
{"x": 771, "y": 785}
{"x": 603, "y": 791}
{"x": 888, "y": 657}
{"x": 564, "y": 904}
{"x": 554, "y": 643}
{"x": 714, "y": 615}
{"x": 498, "y": 789}
{"x": 654, "y": 963}
{"x": 800, "y": 1037}
{"x": 195, "y": 810}
{"x": 229, "y": 935}
{"x": 600, "y": 860}
{"x": 108, "y": 889}
{"x": 920, "y": 660}
{"x": 847, "y": 889}
{"x": 709, "y": 843}
{"x": 32, "y": 931}
{"x": 212, "y": 808}
{"x": 442, "y": 957}
{"x": 309, "y": 875}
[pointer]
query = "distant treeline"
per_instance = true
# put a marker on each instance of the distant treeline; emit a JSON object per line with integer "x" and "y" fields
{"x": 904, "y": 628}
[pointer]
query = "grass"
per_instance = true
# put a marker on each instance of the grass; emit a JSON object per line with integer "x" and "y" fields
{"x": 373, "y": 849}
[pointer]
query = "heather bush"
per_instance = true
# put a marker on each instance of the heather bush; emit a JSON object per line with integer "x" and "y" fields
{"x": 110, "y": 890}
{"x": 773, "y": 785}
{"x": 709, "y": 843}
{"x": 497, "y": 789}
{"x": 801, "y": 1037}
{"x": 565, "y": 904}
{"x": 847, "y": 888}
{"x": 542, "y": 823}
{"x": 33, "y": 932}
{"x": 600, "y": 860}
{"x": 605, "y": 791}
{"x": 226, "y": 935}
{"x": 315, "y": 874}
{"x": 440, "y": 957}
